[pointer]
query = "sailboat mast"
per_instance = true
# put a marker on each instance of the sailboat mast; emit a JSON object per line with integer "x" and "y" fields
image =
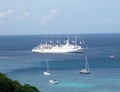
{"x": 86, "y": 63}
{"x": 54, "y": 72}
{"x": 47, "y": 66}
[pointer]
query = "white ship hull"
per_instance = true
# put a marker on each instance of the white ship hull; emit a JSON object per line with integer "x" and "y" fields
{"x": 53, "y": 51}
{"x": 58, "y": 50}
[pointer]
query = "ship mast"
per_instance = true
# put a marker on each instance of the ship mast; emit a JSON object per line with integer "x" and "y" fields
{"x": 59, "y": 39}
{"x": 46, "y": 39}
{"x": 75, "y": 39}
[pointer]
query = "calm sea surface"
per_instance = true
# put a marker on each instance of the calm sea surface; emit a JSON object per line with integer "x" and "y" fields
{"x": 19, "y": 63}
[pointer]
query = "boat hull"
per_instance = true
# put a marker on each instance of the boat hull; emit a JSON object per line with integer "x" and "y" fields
{"x": 47, "y": 73}
{"x": 84, "y": 71}
{"x": 53, "y": 82}
{"x": 81, "y": 50}
{"x": 67, "y": 48}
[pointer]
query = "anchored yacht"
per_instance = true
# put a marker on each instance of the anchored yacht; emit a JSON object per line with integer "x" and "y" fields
{"x": 67, "y": 48}
{"x": 86, "y": 70}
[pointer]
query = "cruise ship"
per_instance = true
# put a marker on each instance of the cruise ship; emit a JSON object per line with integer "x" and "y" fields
{"x": 66, "y": 48}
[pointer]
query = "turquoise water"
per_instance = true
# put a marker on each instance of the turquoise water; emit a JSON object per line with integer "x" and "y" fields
{"x": 19, "y": 63}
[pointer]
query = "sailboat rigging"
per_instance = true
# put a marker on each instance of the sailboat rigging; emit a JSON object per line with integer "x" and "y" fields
{"x": 47, "y": 73}
{"x": 53, "y": 81}
{"x": 86, "y": 70}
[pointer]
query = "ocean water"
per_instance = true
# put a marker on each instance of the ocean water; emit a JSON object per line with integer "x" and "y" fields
{"x": 19, "y": 63}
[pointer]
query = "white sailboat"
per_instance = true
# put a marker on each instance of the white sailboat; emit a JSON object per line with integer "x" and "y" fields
{"x": 53, "y": 81}
{"x": 86, "y": 70}
{"x": 47, "y": 73}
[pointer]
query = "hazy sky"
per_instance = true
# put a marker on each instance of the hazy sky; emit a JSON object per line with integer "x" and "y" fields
{"x": 59, "y": 16}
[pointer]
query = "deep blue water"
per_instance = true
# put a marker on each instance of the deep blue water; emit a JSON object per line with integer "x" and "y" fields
{"x": 19, "y": 63}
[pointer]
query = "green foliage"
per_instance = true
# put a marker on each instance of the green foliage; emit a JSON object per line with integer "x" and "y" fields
{"x": 8, "y": 85}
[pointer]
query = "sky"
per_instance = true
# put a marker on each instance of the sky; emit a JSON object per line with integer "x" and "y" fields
{"x": 27, "y": 17}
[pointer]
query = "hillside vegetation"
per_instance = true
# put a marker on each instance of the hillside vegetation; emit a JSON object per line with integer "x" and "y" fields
{"x": 9, "y": 85}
